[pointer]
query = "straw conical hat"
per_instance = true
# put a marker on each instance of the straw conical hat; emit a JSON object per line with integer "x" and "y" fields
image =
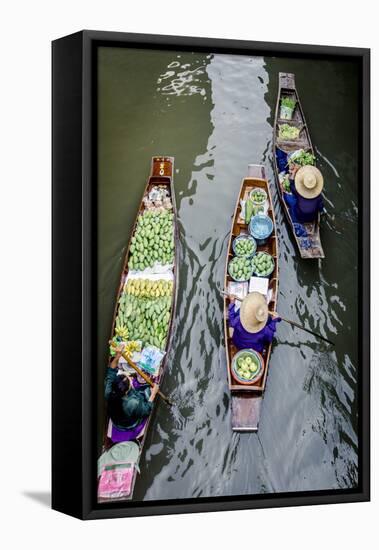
{"x": 309, "y": 182}
{"x": 254, "y": 312}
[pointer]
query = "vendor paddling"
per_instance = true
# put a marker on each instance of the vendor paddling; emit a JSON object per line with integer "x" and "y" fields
{"x": 253, "y": 326}
{"x": 128, "y": 406}
{"x": 306, "y": 200}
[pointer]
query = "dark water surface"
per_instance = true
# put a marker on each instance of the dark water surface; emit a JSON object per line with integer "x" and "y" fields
{"x": 214, "y": 114}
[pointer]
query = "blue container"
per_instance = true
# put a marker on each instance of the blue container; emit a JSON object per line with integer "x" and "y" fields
{"x": 261, "y": 227}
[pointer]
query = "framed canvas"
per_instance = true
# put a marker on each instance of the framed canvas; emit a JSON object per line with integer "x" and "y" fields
{"x": 211, "y": 282}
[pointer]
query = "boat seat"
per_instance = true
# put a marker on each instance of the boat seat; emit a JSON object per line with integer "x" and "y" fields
{"x": 118, "y": 436}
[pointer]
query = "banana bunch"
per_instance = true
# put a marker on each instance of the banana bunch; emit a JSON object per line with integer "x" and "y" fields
{"x": 122, "y": 332}
{"x": 121, "y": 329}
{"x": 145, "y": 288}
{"x": 131, "y": 347}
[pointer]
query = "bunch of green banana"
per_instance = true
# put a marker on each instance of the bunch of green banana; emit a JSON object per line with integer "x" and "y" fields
{"x": 146, "y": 288}
{"x": 146, "y": 319}
{"x": 153, "y": 240}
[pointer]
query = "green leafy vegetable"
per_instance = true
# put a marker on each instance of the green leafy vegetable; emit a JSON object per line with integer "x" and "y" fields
{"x": 302, "y": 158}
{"x": 288, "y": 102}
{"x": 288, "y": 132}
{"x": 286, "y": 183}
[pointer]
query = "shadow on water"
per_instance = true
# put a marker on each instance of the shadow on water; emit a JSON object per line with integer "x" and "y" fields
{"x": 214, "y": 114}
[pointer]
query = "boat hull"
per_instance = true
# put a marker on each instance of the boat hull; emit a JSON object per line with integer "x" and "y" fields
{"x": 246, "y": 400}
{"x": 287, "y": 88}
{"x": 161, "y": 173}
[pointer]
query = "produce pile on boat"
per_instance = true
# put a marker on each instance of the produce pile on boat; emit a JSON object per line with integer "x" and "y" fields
{"x": 302, "y": 158}
{"x": 258, "y": 196}
{"x": 147, "y": 317}
{"x": 145, "y": 288}
{"x": 247, "y": 365}
{"x": 263, "y": 264}
{"x": 240, "y": 269}
{"x": 286, "y": 131}
{"x": 144, "y": 305}
{"x": 244, "y": 246}
{"x": 287, "y": 107}
{"x": 153, "y": 240}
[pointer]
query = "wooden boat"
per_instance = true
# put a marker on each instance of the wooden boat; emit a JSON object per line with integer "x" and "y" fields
{"x": 161, "y": 175}
{"x": 309, "y": 245}
{"x": 246, "y": 400}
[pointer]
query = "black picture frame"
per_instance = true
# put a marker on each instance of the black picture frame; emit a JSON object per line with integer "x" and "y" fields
{"x": 74, "y": 275}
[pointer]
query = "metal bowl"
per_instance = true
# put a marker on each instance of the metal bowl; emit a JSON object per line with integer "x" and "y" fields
{"x": 267, "y": 275}
{"x": 257, "y": 357}
{"x": 243, "y": 280}
{"x": 246, "y": 238}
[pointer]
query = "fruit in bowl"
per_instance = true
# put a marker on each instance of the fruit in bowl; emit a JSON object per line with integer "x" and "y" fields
{"x": 263, "y": 264}
{"x": 247, "y": 366}
{"x": 244, "y": 246}
{"x": 240, "y": 269}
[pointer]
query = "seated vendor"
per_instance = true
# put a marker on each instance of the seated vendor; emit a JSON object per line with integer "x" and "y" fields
{"x": 306, "y": 200}
{"x": 127, "y": 406}
{"x": 253, "y": 326}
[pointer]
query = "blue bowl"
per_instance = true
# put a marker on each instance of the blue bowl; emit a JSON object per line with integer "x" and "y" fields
{"x": 261, "y": 227}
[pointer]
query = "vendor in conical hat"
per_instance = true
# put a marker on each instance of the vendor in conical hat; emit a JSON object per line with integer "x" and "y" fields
{"x": 306, "y": 191}
{"x": 252, "y": 324}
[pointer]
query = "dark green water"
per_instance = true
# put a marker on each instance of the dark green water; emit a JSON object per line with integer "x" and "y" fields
{"x": 214, "y": 114}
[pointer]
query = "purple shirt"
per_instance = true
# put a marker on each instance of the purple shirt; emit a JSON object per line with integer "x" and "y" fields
{"x": 243, "y": 339}
{"x": 306, "y": 210}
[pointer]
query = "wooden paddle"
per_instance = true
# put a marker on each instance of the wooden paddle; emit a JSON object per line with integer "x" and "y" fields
{"x": 290, "y": 322}
{"x": 142, "y": 374}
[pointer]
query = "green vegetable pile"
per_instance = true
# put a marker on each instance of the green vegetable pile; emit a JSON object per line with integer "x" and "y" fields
{"x": 263, "y": 264}
{"x": 288, "y": 102}
{"x": 286, "y": 131}
{"x": 145, "y": 318}
{"x": 286, "y": 183}
{"x": 240, "y": 269}
{"x": 153, "y": 240}
{"x": 244, "y": 247}
{"x": 247, "y": 367}
{"x": 303, "y": 158}
{"x": 258, "y": 196}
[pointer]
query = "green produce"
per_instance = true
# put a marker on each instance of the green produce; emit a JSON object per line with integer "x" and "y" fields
{"x": 263, "y": 264}
{"x": 247, "y": 367}
{"x": 240, "y": 269}
{"x": 287, "y": 106}
{"x": 146, "y": 318}
{"x": 288, "y": 102}
{"x": 145, "y": 288}
{"x": 258, "y": 196}
{"x": 303, "y": 158}
{"x": 286, "y": 183}
{"x": 244, "y": 247}
{"x": 249, "y": 210}
{"x": 288, "y": 132}
{"x": 153, "y": 240}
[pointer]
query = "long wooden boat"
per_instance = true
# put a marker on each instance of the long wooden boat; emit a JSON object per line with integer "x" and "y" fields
{"x": 161, "y": 175}
{"x": 246, "y": 400}
{"x": 309, "y": 245}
